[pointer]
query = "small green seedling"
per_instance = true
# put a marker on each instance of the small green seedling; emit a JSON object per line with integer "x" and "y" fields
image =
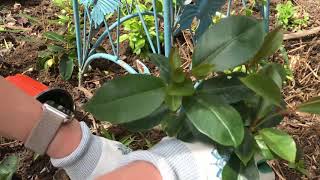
{"x": 134, "y": 31}
{"x": 290, "y": 17}
{"x": 61, "y": 49}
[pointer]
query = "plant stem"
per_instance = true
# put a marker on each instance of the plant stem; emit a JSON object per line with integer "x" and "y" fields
{"x": 259, "y": 121}
{"x": 79, "y": 78}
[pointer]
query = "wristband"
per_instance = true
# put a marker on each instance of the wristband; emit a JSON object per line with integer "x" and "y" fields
{"x": 46, "y": 129}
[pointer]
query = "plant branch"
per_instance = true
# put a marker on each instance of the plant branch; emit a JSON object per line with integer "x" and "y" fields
{"x": 301, "y": 34}
{"x": 281, "y": 112}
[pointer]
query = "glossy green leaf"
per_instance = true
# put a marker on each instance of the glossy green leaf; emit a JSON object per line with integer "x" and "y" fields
{"x": 216, "y": 119}
{"x": 196, "y": 134}
{"x": 54, "y": 36}
{"x": 189, "y": 133}
{"x": 116, "y": 103}
{"x": 276, "y": 72}
{"x": 235, "y": 170}
{"x": 178, "y": 76}
{"x": 264, "y": 108}
{"x": 231, "y": 89}
{"x": 246, "y": 111}
{"x": 272, "y": 43}
{"x": 8, "y": 167}
{"x": 246, "y": 151}
{"x": 311, "y": 106}
{"x": 264, "y": 149}
{"x": 202, "y": 71}
{"x": 263, "y": 86}
{"x": 174, "y": 59}
{"x": 173, "y": 102}
{"x": 229, "y": 43}
{"x": 181, "y": 89}
{"x": 185, "y": 134}
{"x": 149, "y": 121}
{"x": 66, "y": 67}
{"x": 172, "y": 124}
{"x": 162, "y": 63}
{"x": 271, "y": 120}
{"x": 280, "y": 143}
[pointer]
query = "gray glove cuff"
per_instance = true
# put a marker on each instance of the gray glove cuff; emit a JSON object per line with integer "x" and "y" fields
{"x": 169, "y": 157}
{"x": 82, "y": 162}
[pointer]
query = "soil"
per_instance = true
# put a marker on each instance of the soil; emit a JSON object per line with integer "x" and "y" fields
{"x": 20, "y": 56}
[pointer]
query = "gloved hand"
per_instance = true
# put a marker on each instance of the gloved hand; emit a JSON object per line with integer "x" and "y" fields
{"x": 175, "y": 160}
{"x": 93, "y": 157}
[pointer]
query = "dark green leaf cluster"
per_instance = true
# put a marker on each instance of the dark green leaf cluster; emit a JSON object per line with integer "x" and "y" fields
{"x": 236, "y": 111}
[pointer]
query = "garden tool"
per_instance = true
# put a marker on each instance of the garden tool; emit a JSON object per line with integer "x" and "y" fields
{"x": 43, "y": 93}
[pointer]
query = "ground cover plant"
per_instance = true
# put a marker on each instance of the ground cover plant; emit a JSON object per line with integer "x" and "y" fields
{"x": 134, "y": 31}
{"x": 291, "y": 16}
{"x": 61, "y": 48}
{"x": 236, "y": 111}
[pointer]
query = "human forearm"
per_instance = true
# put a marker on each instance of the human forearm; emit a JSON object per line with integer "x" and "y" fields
{"x": 19, "y": 113}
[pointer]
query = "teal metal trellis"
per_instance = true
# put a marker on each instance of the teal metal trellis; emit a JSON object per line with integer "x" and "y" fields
{"x": 175, "y": 16}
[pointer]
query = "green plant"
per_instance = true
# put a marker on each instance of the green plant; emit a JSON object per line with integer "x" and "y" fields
{"x": 127, "y": 140}
{"x": 135, "y": 33}
{"x": 290, "y": 17}
{"x": 238, "y": 112}
{"x": 8, "y": 166}
{"x": 61, "y": 49}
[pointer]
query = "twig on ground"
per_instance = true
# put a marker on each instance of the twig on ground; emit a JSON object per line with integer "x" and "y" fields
{"x": 307, "y": 64}
{"x": 8, "y": 144}
{"x": 19, "y": 28}
{"x": 277, "y": 170}
{"x": 295, "y": 49}
{"x": 312, "y": 71}
{"x": 301, "y": 34}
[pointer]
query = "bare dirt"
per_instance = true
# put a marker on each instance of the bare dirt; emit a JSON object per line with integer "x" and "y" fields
{"x": 20, "y": 57}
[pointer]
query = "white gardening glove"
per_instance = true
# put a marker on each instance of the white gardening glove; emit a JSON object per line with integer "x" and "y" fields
{"x": 93, "y": 157}
{"x": 177, "y": 160}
